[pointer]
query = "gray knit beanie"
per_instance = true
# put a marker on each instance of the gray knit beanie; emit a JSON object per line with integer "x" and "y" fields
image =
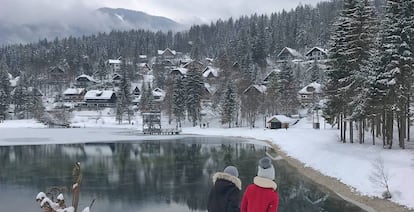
{"x": 266, "y": 168}
{"x": 232, "y": 171}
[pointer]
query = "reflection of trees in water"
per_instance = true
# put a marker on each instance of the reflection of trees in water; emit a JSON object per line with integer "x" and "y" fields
{"x": 160, "y": 172}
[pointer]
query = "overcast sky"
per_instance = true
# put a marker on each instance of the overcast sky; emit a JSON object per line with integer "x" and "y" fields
{"x": 183, "y": 11}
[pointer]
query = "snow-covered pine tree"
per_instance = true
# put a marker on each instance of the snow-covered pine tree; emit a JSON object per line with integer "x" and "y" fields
{"x": 359, "y": 49}
{"x": 228, "y": 107}
{"x": 339, "y": 75}
{"x": 287, "y": 90}
{"x": 20, "y": 97}
{"x": 124, "y": 98}
{"x": 272, "y": 95}
{"x": 179, "y": 101}
{"x": 4, "y": 90}
{"x": 397, "y": 69}
{"x": 194, "y": 87}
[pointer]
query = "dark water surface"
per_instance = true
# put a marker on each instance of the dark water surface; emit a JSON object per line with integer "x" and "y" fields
{"x": 143, "y": 176}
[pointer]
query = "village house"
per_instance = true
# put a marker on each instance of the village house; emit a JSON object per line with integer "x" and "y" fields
{"x": 166, "y": 54}
{"x": 310, "y": 94}
{"x": 210, "y": 74}
{"x": 100, "y": 98}
{"x": 158, "y": 95}
{"x": 316, "y": 53}
{"x": 279, "y": 121}
{"x": 272, "y": 74}
{"x": 114, "y": 66}
{"x": 194, "y": 65}
{"x": 84, "y": 81}
{"x": 74, "y": 94}
{"x": 289, "y": 54}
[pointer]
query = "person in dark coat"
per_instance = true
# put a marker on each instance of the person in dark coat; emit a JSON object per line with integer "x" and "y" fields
{"x": 225, "y": 195}
{"x": 261, "y": 196}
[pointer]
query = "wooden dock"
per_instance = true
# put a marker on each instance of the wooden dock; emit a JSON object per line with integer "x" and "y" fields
{"x": 171, "y": 131}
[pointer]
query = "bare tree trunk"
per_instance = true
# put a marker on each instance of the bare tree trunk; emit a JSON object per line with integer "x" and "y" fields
{"x": 351, "y": 131}
{"x": 408, "y": 120}
{"x": 344, "y": 127}
{"x": 383, "y": 129}
{"x": 361, "y": 131}
{"x": 373, "y": 131}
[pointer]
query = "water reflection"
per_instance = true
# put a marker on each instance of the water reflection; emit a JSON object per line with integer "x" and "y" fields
{"x": 148, "y": 176}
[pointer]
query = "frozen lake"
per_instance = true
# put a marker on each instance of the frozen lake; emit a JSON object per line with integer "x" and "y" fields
{"x": 168, "y": 175}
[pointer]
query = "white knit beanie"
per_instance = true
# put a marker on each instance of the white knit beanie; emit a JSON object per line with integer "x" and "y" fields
{"x": 266, "y": 169}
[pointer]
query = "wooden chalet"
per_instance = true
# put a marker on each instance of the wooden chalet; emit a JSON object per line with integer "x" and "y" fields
{"x": 166, "y": 54}
{"x": 266, "y": 80}
{"x": 210, "y": 73}
{"x": 311, "y": 93}
{"x": 85, "y": 81}
{"x": 74, "y": 94}
{"x": 289, "y": 54}
{"x": 194, "y": 65}
{"x": 57, "y": 75}
{"x": 114, "y": 65}
{"x": 316, "y": 53}
{"x": 255, "y": 90}
{"x": 279, "y": 121}
{"x": 158, "y": 95}
{"x": 100, "y": 98}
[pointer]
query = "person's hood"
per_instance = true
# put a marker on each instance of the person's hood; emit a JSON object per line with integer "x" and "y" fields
{"x": 264, "y": 182}
{"x": 224, "y": 176}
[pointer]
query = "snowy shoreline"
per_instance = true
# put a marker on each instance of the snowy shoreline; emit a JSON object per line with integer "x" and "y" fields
{"x": 350, "y": 164}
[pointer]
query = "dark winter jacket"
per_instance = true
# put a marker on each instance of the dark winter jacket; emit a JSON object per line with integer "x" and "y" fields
{"x": 261, "y": 196}
{"x": 225, "y": 195}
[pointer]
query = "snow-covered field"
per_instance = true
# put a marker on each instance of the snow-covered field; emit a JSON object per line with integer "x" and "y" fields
{"x": 352, "y": 164}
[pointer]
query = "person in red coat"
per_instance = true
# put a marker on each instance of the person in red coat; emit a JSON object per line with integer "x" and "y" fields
{"x": 261, "y": 196}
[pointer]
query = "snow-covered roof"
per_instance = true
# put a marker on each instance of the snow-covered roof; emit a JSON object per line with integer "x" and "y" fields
{"x": 13, "y": 82}
{"x": 211, "y": 89}
{"x": 260, "y": 88}
{"x": 183, "y": 71}
{"x": 73, "y": 91}
{"x": 291, "y": 51}
{"x": 135, "y": 85}
{"x": 282, "y": 119}
{"x": 111, "y": 61}
{"x": 316, "y": 49}
{"x": 210, "y": 70}
{"x": 161, "y": 52}
{"x": 313, "y": 87}
{"x": 89, "y": 78}
{"x": 274, "y": 71}
{"x": 158, "y": 92}
{"x": 98, "y": 94}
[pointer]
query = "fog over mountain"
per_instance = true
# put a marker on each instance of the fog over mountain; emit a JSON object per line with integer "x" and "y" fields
{"x": 63, "y": 23}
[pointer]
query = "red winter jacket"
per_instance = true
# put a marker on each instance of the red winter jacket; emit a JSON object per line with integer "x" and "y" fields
{"x": 261, "y": 196}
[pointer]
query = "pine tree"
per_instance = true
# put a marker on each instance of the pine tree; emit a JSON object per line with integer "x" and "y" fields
{"x": 194, "y": 86}
{"x": 287, "y": 90}
{"x": 397, "y": 63}
{"x": 179, "y": 101}
{"x": 338, "y": 75}
{"x": 228, "y": 107}
{"x": 124, "y": 98}
{"x": 4, "y": 89}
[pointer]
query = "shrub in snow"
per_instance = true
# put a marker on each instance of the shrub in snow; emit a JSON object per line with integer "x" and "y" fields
{"x": 48, "y": 205}
{"x": 380, "y": 177}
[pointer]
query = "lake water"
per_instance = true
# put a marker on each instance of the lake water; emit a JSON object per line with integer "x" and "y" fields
{"x": 148, "y": 176}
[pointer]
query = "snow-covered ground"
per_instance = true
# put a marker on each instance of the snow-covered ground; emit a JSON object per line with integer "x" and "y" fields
{"x": 353, "y": 164}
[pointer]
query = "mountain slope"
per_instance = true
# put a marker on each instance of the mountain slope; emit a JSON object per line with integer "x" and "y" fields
{"x": 85, "y": 22}
{"x": 139, "y": 19}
